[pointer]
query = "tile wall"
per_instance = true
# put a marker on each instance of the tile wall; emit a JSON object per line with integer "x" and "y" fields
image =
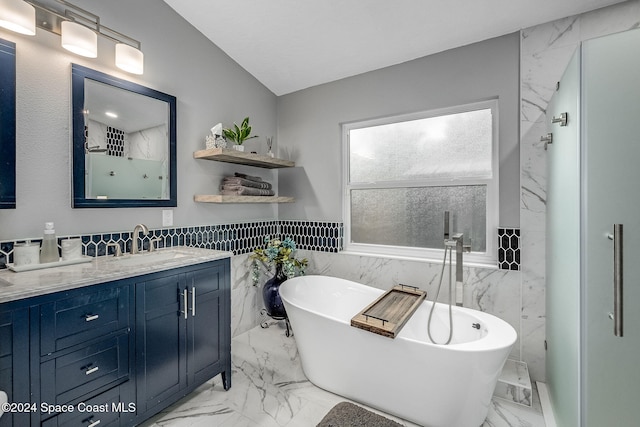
{"x": 241, "y": 239}
{"x": 317, "y": 241}
{"x": 238, "y": 238}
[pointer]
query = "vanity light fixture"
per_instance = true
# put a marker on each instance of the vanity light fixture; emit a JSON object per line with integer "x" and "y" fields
{"x": 78, "y": 39}
{"x": 78, "y": 28}
{"x": 129, "y": 59}
{"x": 18, "y": 16}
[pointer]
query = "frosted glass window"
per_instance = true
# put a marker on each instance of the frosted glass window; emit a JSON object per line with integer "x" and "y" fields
{"x": 414, "y": 216}
{"x": 446, "y": 147}
{"x": 403, "y": 173}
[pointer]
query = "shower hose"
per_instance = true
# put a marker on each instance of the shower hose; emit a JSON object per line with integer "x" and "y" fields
{"x": 433, "y": 306}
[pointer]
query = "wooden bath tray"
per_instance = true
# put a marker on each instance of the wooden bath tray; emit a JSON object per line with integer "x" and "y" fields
{"x": 388, "y": 314}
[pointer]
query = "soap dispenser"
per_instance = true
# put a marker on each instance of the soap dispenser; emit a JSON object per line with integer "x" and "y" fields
{"x": 49, "y": 250}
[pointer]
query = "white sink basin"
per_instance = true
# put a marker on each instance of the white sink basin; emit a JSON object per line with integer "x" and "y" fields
{"x": 149, "y": 257}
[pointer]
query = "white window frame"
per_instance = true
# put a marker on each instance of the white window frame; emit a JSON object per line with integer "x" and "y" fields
{"x": 486, "y": 258}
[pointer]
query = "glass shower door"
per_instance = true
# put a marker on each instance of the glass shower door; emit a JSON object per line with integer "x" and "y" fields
{"x": 563, "y": 249}
{"x": 611, "y": 195}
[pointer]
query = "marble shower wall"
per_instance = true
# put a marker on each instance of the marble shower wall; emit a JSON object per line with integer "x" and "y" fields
{"x": 545, "y": 52}
{"x": 149, "y": 144}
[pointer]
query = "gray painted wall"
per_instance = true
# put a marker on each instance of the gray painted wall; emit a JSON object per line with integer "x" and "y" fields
{"x": 210, "y": 88}
{"x": 309, "y": 120}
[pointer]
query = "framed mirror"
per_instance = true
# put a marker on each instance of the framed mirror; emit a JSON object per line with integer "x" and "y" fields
{"x": 124, "y": 143}
{"x": 7, "y": 125}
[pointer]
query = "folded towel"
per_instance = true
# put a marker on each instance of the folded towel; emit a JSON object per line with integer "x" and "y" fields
{"x": 239, "y": 190}
{"x": 249, "y": 177}
{"x": 236, "y": 180}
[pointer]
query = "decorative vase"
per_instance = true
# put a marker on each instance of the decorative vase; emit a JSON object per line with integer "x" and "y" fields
{"x": 238, "y": 147}
{"x": 271, "y": 295}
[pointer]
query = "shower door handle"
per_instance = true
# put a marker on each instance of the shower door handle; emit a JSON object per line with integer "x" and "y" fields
{"x": 618, "y": 279}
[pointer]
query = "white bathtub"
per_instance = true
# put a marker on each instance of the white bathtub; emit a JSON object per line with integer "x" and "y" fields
{"x": 429, "y": 384}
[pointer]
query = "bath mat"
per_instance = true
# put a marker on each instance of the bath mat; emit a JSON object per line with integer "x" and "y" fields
{"x": 346, "y": 414}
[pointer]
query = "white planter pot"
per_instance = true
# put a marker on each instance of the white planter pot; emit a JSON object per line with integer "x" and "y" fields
{"x": 238, "y": 147}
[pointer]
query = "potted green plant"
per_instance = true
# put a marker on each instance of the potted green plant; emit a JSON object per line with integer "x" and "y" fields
{"x": 239, "y": 134}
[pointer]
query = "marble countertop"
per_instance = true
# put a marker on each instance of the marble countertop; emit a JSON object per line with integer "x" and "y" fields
{"x": 15, "y": 286}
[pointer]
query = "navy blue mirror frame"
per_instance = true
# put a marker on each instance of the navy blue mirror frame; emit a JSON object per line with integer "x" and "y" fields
{"x": 78, "y": 76}
{"x": 7, "y": 125}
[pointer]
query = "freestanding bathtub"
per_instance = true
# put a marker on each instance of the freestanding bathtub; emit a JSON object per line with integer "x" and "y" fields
{"x": 409, "y": 376}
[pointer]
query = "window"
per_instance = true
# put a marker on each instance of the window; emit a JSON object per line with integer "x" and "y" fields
{"x": 402, "y": 173}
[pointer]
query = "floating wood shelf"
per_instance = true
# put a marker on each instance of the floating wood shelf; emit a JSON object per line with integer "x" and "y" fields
{"x": 241, "y": 157}
{"x": 387, "y": 315}
{"x": 218, "y": 198}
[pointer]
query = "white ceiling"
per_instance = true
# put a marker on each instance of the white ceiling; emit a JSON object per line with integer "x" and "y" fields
{"x": 290, "y": 45}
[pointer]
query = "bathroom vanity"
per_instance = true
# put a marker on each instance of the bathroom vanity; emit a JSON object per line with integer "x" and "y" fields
{"x": 114, "y": 341}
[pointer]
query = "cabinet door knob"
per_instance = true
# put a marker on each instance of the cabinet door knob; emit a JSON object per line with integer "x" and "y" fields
{"x": 90, "y": 317}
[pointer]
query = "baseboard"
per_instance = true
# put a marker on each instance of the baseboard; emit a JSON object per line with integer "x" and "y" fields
{"x": 545, "y": 402}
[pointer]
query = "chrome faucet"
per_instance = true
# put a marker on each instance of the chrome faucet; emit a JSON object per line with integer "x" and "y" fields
{"x": 458, "y": 238}
{"x": 134, "y": 237}
{"x": 117, "y": 252}
{"x": 456, "y": 241}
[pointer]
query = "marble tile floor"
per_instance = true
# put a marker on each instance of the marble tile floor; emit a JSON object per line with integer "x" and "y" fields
{"x": 269, "y": 389}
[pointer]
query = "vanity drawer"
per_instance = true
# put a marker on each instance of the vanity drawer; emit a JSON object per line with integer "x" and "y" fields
{"x": 102, "y": 411}
{"x": 75, "y": 374}
{"x": 82, "y": 317}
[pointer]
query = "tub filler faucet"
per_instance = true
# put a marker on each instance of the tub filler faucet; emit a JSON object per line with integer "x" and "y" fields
{"x": 457, "y": 242}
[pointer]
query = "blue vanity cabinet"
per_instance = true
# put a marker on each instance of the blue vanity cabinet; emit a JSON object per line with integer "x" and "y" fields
{"x": 209, "y": 325}
{"x": 14, "y": 361}
{"x": 82, "y": 346}
{"x": 183, "y": 333}
{"x": 160, "y": 340}
{"x": 103, "y": 416}
{"x": 79, "y": 318}
{"x": 116, "y": 352}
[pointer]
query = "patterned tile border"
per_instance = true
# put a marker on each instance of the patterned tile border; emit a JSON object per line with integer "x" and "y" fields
{"x": 314, "y": 235}
{"x": 238, "y": 238}
{"x": 242, "y": 238}
{"x": 508, "y": 248}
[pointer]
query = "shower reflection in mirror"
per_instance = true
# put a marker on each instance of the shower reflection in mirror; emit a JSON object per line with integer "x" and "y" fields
{"x": 126, "y": 153}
